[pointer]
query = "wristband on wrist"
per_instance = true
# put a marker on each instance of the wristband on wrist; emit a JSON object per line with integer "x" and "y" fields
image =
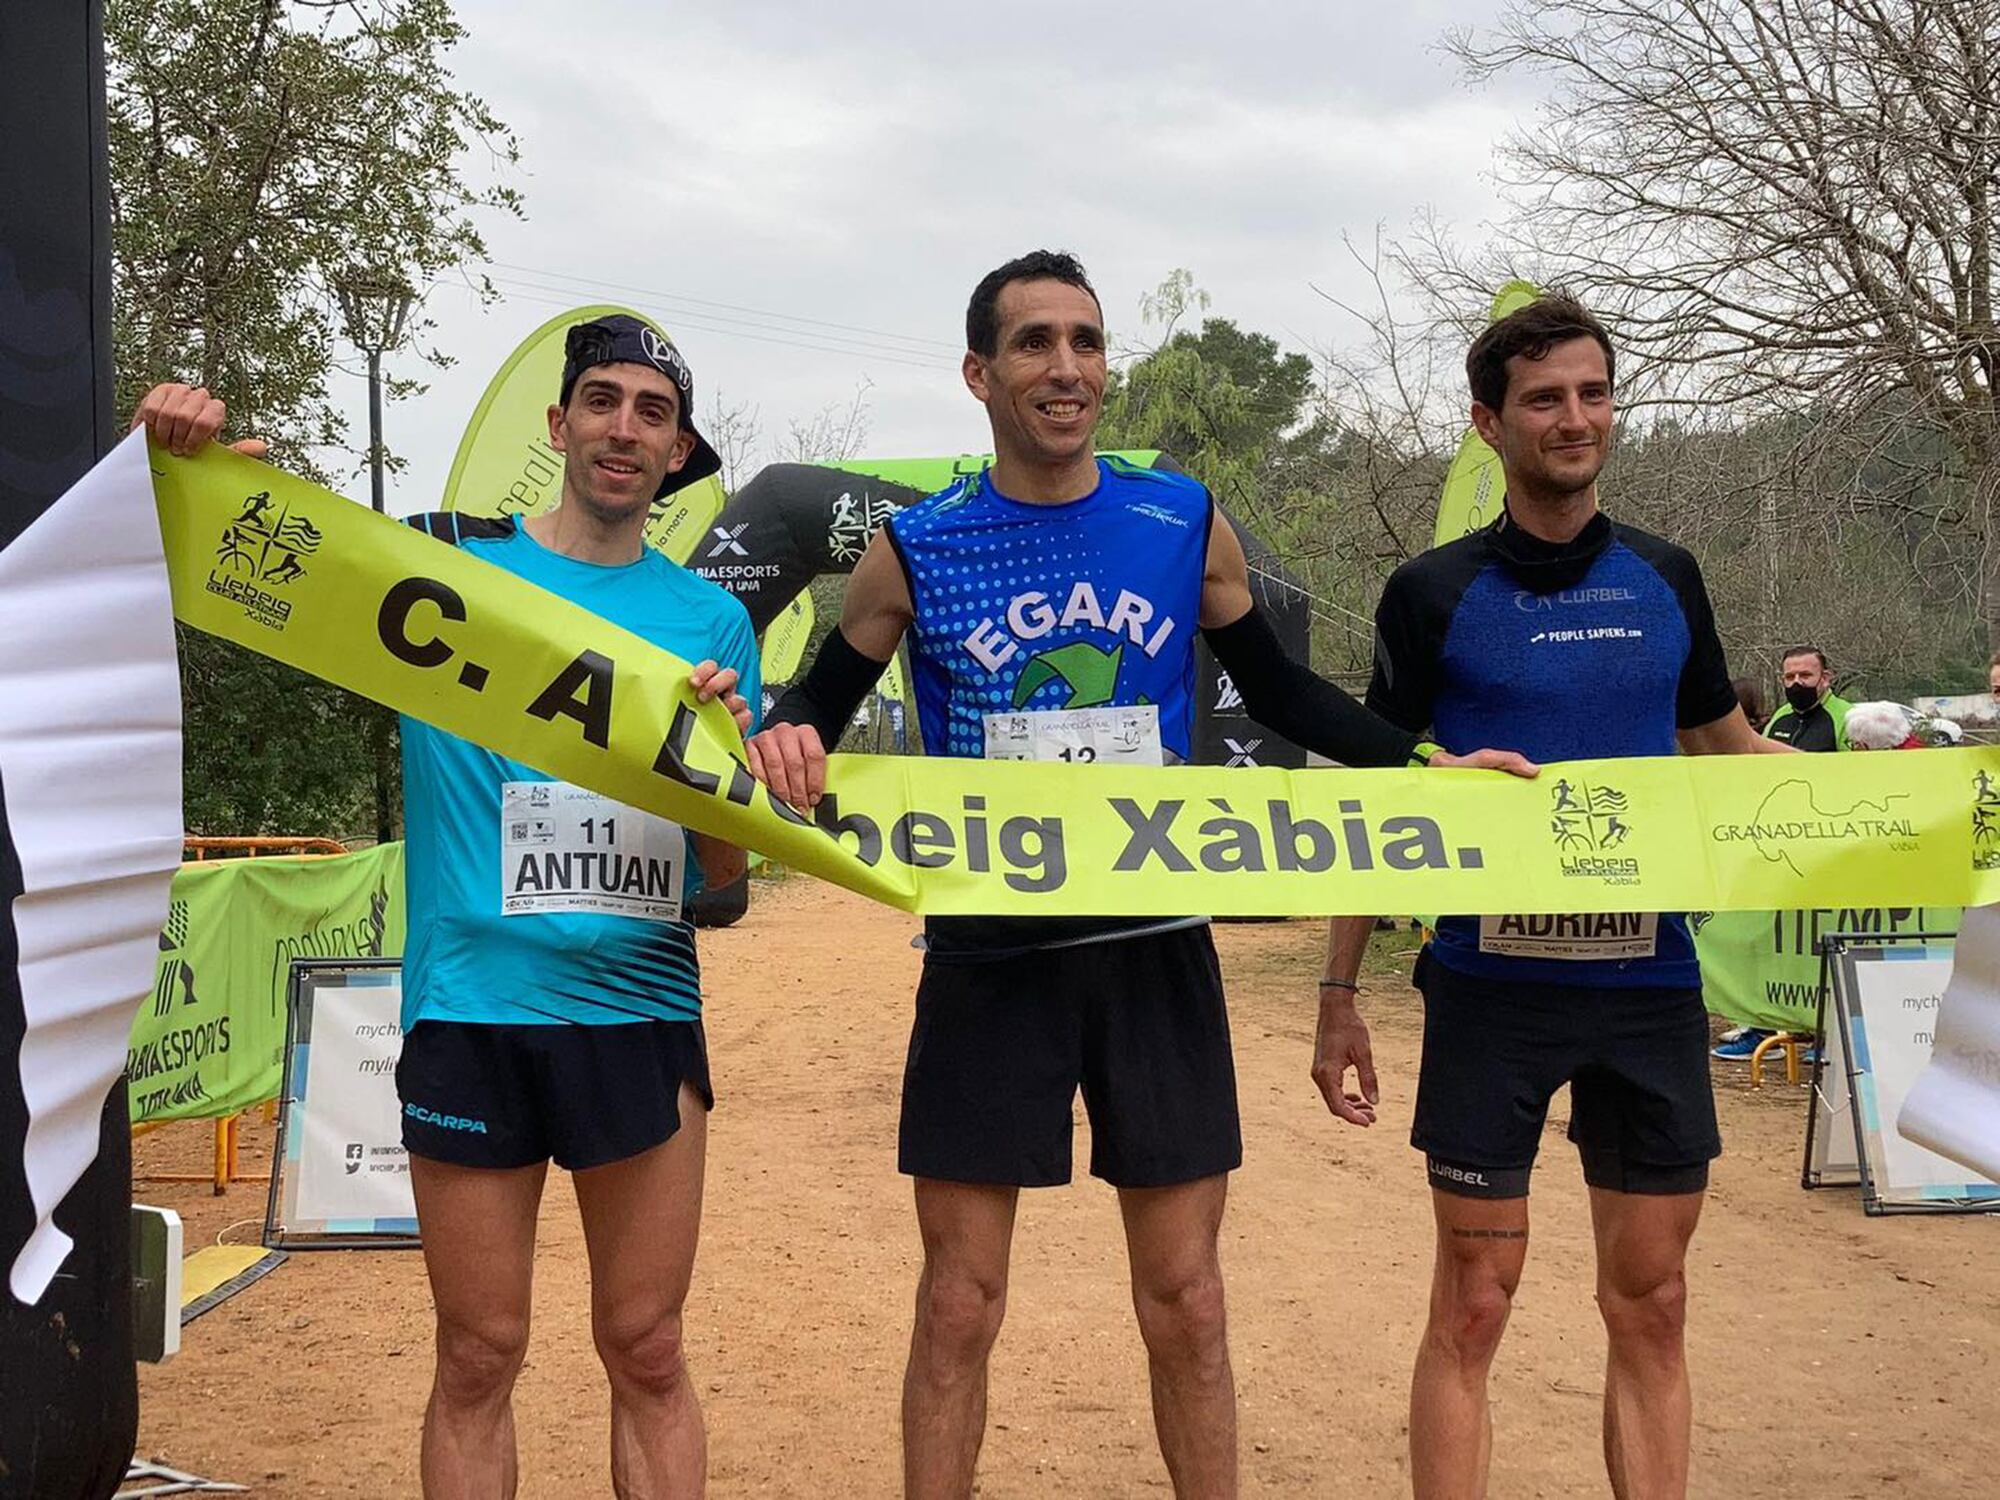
{"x": 1340, "y": 984}
{"x": 1423, "y": 750}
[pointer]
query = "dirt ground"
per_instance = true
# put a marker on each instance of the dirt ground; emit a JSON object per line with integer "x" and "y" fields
{"x": 1833, "y": 1355}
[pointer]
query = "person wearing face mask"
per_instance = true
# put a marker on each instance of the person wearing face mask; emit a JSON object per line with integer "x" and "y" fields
{"x": 1813, "y": 717}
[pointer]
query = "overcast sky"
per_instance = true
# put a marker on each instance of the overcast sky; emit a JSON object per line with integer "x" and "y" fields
{"x": 862, "y": 165}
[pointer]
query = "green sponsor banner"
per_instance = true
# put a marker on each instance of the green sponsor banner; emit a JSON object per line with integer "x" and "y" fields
{"x": 505, "y": 466}
{"x": 1474, "y": 486}
{"x": 785, "y": 639}
{"x": 1758, "y": 968}
{"x": 209, "y": 1038}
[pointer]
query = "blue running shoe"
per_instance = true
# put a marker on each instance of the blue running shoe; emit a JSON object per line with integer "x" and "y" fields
{"x": 1737, "y": 1048}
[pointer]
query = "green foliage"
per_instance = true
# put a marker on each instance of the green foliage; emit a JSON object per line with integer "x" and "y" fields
{"x": 1220, "y": 400}
{"x": 263, "y": 151}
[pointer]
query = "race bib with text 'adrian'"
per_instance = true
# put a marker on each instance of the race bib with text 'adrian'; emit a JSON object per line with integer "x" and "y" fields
{"x": 1578, "y": 935}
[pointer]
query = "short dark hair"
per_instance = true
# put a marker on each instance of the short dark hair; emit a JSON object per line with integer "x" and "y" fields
{"x": 982, "y": 322}
{"x": 1532, "y": 331}
{"x": 1750, "y": 696}
{"x": 1792, "y": 651}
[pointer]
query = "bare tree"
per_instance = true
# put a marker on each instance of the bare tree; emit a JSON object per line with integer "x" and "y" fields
{"x": 831, "y": 433}
{"x": 1786, "y": 205}
{"x": 732, "y": 431}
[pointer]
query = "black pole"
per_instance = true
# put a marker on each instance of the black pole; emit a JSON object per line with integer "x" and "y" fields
{"x": 375, "y": 427}
{"x": 69, "y": 1404}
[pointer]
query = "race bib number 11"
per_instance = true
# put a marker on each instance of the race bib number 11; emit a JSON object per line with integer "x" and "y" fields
{"x": 565, "y": 849}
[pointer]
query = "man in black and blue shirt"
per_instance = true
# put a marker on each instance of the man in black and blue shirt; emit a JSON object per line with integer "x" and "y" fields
{"x": 1570, "y": 636}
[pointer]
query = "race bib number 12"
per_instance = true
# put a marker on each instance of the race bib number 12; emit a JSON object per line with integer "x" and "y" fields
{"x": 565, "y": 849}
{"x": 1083, "y": 736}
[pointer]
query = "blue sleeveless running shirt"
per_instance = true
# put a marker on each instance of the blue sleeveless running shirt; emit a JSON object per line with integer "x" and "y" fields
{"x": 1093, "y": 603}
{"x": 465, "y": 960}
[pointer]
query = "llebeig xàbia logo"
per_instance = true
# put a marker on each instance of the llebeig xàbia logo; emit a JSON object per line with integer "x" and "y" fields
{"x": 260, "y": 552}
{"x": 1589, "y": 826}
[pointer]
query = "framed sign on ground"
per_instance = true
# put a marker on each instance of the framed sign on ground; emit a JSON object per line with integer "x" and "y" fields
{"x": 1880, "y": 1005}
{"x": 340, "y": 1178}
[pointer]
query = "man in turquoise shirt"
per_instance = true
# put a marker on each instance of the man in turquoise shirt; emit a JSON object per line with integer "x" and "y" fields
{"x": 551, "y": 1001}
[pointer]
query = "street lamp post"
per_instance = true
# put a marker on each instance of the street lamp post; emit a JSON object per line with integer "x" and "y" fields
{"x": 376, "y": 310}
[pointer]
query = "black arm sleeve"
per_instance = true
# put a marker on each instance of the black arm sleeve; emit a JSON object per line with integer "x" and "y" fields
{"x": 1409, "y": 641}
{"x": 1286, "y": 695}
{"x": 830, "y": 692}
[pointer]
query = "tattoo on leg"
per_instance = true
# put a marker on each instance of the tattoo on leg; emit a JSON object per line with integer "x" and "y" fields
{"x": 1490, "y": 1234}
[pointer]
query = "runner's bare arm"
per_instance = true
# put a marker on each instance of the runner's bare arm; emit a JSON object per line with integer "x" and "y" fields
{"x": 790, "y": 755}
{"x": 181, "y": 418}
{"x": 1732, "y": 734}
{"x": 721, "y": 863}
{"x": 1340, "y": 1040}
{"x": 1288, "y": 696}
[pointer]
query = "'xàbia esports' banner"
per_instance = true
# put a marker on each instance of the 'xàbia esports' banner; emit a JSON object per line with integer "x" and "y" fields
{"x": 208, "y": 1040}
{"x": 291, "y": 570}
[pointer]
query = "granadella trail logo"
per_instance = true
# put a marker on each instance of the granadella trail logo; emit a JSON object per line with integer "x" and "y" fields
{"x": 1589, "y": 824}
{"x": 1790, "y": 823}
{"x": 260, "y": 552}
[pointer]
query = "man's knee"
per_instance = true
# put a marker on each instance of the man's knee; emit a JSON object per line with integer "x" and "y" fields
{"x": 1648, "y": 1313}
{"x": 1469, "y": 1314}
{"x": 1184, "y": 1317}
{"x": 959, "y": 1311}
{"x": 477, "y": 1361}
{"x": 642, "y": 1349}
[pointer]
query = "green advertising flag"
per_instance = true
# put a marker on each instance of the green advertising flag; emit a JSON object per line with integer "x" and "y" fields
{"x": 785, "y": 638}
{"x": 1474, "y": 486}
{"x": 1758, "y": 968}
{"x": 505, "y": 466}
{"x": 209, "y": 1040}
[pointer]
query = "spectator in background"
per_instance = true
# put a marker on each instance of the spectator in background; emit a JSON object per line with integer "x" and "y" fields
{"x": 1813, "y": 718}
{"x": 1993, "y": 675}
{"x": 1750, "y": 695}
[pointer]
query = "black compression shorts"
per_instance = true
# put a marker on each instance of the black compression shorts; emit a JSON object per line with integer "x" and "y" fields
{"x": 1642, "y": 1112}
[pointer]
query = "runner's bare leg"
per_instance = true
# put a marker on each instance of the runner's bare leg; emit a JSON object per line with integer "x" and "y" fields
{"x": 641, "y": 1221}
{"x": 968, "y": 1231}
{"x": 1482, "y": 1245}
{"x": 1170, "y": 1234}
{"x": 479, "y": 1250}
{"x": 1642, "y": 1242}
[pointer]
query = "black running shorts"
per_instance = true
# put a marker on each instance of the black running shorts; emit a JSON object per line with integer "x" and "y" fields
{"x": 1642, "y": 1112}
{"x": 509, "y": 1096}
{"x": 1000, "y": 1048}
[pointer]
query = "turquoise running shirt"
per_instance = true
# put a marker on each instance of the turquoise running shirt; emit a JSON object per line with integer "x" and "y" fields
{"x": 531, "y": 901}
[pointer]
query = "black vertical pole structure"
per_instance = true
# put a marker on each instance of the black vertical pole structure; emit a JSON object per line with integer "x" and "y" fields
{"x": 68, "y": 1393}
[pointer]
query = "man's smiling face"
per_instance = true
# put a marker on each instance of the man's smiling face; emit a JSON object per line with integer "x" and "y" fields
{"x": 620, "y": 436}
{"x": 1043, "y": 388}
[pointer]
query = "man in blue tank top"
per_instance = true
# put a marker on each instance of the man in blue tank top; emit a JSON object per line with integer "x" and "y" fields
{"x": 1052, "y": 604}
{"x": 1573, "y": 637}
{"x": 551, "y": 998}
